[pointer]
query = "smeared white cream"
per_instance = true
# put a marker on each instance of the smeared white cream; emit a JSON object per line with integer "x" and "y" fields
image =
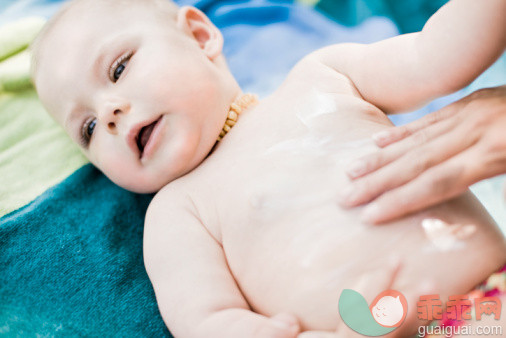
{"x": 315, "y": 105}
{"x": 309, "y": 144}
{"x": 290, "y": 185}
{"x": 444, "y": 236}
{"x": 313, "y": 145}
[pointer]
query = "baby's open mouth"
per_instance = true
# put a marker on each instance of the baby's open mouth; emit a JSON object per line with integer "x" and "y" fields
{"x": 144, "y": 135}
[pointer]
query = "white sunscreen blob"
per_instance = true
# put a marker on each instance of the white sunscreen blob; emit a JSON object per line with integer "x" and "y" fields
{"x": 316, "y": 105}
{"x": 446, "y": 236}
{"x": 388, "y": 311}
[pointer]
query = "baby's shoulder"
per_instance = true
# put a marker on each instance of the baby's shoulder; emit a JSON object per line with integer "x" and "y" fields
{"x": 180, "y": 208}
{"x": 170, "y": 199}
{"x": 310, "y": 71}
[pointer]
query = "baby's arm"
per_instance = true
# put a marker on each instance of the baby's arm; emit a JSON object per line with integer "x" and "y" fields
{"x": 456, "y": 45}
{"x": 196, "y": 293}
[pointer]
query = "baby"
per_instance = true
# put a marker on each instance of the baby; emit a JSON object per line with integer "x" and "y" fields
{"x": 245, "y": 236}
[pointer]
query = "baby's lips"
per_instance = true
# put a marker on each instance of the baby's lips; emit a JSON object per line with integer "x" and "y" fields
{"x": 131, "y": 138}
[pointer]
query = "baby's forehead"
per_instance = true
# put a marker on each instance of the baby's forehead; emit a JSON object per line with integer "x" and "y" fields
{"x": 104, "y": 12}
{"x": 96, "y": 16}
{"x": 64, "y": 53}
{"x": 69, "y": 48}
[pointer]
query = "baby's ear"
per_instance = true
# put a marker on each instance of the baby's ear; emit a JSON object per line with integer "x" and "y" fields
{"x": 195, "y": 23}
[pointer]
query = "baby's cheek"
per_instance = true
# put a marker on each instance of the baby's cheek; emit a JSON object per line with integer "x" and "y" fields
{"x": 117, "y": 168}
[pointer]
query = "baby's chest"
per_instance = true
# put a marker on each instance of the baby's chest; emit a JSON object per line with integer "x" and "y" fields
{"x": 278, "y": 220}
{"x": 275, "y": 203}
{"x": 266, "y": 193}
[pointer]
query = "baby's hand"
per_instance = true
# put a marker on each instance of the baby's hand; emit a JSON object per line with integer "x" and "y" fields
{"x": 233, "y": 323}
{"x": 282, "y": 325}
{"x": 317, "y": 334}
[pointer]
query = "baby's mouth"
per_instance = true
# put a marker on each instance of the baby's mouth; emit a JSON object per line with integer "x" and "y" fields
{"x": 144, "y": 134}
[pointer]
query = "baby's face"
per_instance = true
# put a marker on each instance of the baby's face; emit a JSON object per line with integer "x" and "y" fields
{"x": 144, "y": 99}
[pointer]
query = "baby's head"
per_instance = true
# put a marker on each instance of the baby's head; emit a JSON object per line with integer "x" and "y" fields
{"x": 141, "y": 85}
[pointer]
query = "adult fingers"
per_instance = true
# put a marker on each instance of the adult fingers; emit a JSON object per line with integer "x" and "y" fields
{"x": 374, "y": 161}
{"x": 460, "y": 107}
{"x": 437, "y": 184}
{"x": 394, "y": 134}
{"x": 407, "y": 167}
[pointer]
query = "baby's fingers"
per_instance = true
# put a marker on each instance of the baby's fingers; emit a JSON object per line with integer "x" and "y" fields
{"x": 317, "y": 334}
{"x": 282, "y": 325}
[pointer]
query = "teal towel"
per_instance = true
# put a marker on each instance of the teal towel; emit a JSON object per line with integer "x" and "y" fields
{"x": 72, "y": 264}
{"x": 409, "y": 15}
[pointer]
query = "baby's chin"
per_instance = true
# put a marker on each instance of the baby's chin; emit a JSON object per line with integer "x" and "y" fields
{"x": 141, "y": 184}
{"x": 160, "y": 173}
{"x": 144, "y": 189}
{"x": 148, "y": 182}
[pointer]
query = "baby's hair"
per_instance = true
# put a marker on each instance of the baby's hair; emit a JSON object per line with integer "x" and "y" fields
{"x": 166, "y": 10}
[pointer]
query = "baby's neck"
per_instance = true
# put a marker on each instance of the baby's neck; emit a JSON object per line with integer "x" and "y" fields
{"x": 241, "y": 103}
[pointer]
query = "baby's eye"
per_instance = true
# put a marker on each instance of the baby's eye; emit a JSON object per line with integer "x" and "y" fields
{"x": 119, "y": 66}
{"x": 87, "y": 130}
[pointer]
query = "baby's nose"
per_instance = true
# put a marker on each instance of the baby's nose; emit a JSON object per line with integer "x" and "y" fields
{"x": 112, "y": 114}
{"x": 111, "y": 125}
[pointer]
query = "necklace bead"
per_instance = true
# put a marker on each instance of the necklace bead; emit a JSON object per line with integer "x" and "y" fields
{"x": 236, "y": 108}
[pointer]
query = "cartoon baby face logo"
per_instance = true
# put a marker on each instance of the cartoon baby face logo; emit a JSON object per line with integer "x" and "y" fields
{"x": 389, "y": 308}
{"x": 386, "y": 313}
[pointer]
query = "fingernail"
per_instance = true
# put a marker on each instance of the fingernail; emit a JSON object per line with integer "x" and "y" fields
{"x": 371, "y": 213}
{"x": 381, "y": 136}
{"x": 356, "y": 169}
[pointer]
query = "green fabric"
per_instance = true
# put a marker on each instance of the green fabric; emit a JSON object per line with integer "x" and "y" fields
{"x": 14, "y": 73}
{"x": 16, "y": 36}
{"x": 15, "y": 66}
{"x": 35, "y": 153}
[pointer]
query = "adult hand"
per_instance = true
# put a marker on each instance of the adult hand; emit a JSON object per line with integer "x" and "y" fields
{"x": 432, "y": 159}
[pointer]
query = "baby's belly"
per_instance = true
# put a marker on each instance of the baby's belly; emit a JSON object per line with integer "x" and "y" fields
{"x": 292, "y": 248}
